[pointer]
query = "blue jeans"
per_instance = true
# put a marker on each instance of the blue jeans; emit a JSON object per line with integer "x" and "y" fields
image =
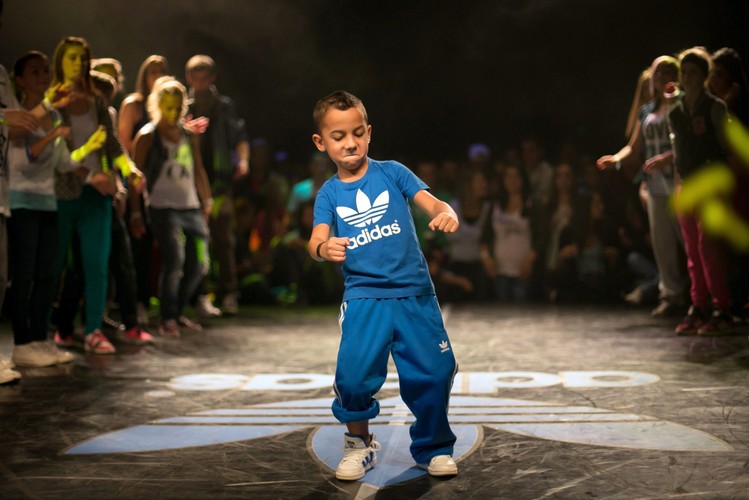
{"x": 182, "y": 236}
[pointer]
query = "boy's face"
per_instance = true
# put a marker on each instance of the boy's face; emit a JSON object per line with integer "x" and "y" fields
{"x": 344, "y": 135}
{"x": 692, "y": 78}
{"x": 200, "y": 79}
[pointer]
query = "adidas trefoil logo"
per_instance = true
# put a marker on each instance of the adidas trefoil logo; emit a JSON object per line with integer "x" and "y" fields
{"x": 443, "y": 346}
{"x": 366, "y": 214}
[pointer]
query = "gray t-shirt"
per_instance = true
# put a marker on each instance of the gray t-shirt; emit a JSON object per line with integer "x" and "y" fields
{"x": 175, "y": 185}
{"x": 655, "y": 135}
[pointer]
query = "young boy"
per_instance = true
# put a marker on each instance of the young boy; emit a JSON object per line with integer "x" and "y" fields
{"x": 389, "y": 305}
{"x": 696, "y": 122}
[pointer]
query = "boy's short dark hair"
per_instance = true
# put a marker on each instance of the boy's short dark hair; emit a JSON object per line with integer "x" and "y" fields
{"x": 201, "y": 62}
{"x": 340, "y": 100}
{"x": 698, "y": 56}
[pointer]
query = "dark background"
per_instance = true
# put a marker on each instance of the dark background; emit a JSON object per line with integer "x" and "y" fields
{"x": 435, "y": 76}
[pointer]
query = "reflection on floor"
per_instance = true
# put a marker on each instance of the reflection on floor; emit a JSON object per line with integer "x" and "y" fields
{"x": 549, "y": 403}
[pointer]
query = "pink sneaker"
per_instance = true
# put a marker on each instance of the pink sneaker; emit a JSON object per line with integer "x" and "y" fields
{"x": 137, "y": 336}
{"x": 63, "y": 341}
{"x": 97, "y": 343}
{"x": 692, "y": 322}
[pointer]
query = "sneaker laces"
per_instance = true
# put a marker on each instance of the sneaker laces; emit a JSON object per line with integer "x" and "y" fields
{"x": 359, "y": 455}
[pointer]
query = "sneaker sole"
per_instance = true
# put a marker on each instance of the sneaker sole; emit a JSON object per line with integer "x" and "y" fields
{"x": 94, "y": 350}
{"x": 343, "y": 477}
{"x": 137, "y": 343}
{"x": 439, "y": 473}
{"x": 34, "y": 365}
{"x": 9, "y": 378}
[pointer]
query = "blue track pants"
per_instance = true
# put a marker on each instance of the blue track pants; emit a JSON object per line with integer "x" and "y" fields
{"x": 412, "y": 330}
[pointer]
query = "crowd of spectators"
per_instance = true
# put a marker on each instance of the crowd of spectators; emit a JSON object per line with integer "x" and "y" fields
{"x": 172, "y": 207}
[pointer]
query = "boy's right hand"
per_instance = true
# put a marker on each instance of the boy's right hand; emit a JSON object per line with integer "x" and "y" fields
{"x": 334, "y": 249}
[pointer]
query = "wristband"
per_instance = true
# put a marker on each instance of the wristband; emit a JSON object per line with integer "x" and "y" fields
{"x": 317, "y": 251}
{"x": 47, "y": 105}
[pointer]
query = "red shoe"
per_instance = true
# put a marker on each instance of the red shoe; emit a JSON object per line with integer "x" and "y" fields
{"x": 97, "y": 343}
{"x": 137, "y": 336}
{"x": 720, "y": 323}
{"x": 692, "y": 322}
{"x": 63, "y": 341}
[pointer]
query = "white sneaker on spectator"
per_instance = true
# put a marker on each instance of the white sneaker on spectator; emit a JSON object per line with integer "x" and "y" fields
{"x": 7, "y": 373}
{"x": 205, "y": 309}
{"x": 230, "y": 303}
{"x": 38, "y": 354}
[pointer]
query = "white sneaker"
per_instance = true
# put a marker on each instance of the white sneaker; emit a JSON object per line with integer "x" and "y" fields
{"x": 39, "y": 353}
{"x": 205, "y": 309}
{"x": 230, "y": 303}
{"x": 358, "y": 458}
{"x": 7, "y": 373}
{"x": 441, "y": 465}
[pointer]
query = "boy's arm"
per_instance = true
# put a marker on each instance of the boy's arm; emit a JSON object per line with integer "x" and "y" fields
{"x": 442, "y": 214}
{"x": 321, "y": 247}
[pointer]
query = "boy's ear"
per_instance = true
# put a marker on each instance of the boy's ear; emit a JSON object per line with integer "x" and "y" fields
{"x": 319, "y": 143}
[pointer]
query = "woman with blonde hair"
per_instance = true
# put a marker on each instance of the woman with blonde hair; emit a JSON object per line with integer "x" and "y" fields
{"x": 650, "y": 143}
{"x": 179, "y": 200}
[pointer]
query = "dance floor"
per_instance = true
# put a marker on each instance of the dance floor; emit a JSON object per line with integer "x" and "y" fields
{"x": 550, "y": 402}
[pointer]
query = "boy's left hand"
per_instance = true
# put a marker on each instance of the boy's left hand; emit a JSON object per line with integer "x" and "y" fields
{"x": 445, "y": 222}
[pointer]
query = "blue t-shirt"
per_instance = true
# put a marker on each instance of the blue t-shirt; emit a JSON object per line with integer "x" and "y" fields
{"x": 383, "y": 259}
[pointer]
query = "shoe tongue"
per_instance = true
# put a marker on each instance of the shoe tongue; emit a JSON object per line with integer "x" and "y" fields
{"x": 353, "y": 442}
